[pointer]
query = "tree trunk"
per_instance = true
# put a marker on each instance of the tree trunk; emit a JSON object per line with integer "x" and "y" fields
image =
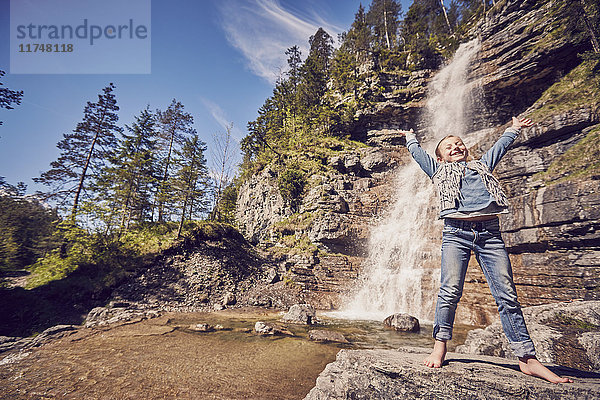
{"x": 83, "y": 174}
{"x": 446, "y": 17}
{"x": 165, "y": 176}
{"x": 387, "y": 36}
{"x": 589, "y": 28}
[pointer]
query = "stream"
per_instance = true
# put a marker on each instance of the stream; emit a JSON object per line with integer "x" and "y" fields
{"x": 163, "y": 358}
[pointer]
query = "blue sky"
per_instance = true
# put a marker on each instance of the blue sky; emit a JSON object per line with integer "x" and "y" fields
{"x": 219, "y": 58}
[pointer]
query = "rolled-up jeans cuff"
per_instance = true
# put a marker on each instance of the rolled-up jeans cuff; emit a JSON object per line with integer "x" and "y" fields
{"x": 523, "y": 349}
{"x": 440, "y": 333}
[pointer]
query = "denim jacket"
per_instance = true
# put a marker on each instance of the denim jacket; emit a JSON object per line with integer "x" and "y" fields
{"x": 473, "y": 194}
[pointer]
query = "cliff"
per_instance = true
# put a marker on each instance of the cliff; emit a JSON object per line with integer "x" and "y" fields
{"x": 526, "y": 66}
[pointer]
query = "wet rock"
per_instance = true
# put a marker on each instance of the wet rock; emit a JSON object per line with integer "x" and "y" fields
{"x": 269, "y": 328}
{"x": 391, "y": 374}
{"x": 402, "y": 322}
{"x": 202, "y": 328}
{"x": 300, "y": 314}
{"x": 13, "y": 358}
{"x": 320, "y": 335}
{"x": 101, "y": 316}
{"x": 53, "y": 333}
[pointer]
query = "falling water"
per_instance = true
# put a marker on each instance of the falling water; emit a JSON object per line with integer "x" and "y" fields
{"x": 400, "y": 273}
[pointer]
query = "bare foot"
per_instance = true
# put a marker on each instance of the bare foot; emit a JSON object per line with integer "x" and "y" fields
{"x": 531, "y": 366}
{"x": 436, "y": 358}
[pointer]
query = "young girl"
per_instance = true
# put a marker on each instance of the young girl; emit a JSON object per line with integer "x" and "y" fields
{"x": 471, "y": 199}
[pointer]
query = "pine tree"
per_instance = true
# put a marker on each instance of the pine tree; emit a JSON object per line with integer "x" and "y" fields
{"x": 294, "y": 61}
{"x": 190, "y": 183}
{"x": 383, "y": 18}
{"x": 354, "y": 50}
{"x": 27, "y": 227}
{"x": 9, "y": 97}
{"x": 84, "y": 152}
{"x": 316, "y": 68}
{"x": 128, "y": 185}
{"x": 423, "y": 28}
{"x": 174, "y": 126}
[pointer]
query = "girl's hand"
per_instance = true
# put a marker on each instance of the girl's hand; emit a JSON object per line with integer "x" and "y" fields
{"x": 519, "y": 123}
{"x": 404, "y": 133}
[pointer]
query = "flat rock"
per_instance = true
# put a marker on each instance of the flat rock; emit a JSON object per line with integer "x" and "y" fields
{"x": 400, "y": 374}
{"x": 320, "y": 335}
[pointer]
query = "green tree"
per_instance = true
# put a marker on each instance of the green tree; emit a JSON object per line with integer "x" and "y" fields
{"x": 383, "y": 18}
{"x": 84, "y": 152}
{"x": 190, "y": 183}
{"x": 294, "y": 61}
{"x": 174, "y": 126}
{"x": 582, "y": 17}
{"x": 315, "y": 71}
{"x": 128, "y": 184}
{"x": 9, "y": 97}
{"x": 354, "y": 50}
{"x": 425, "y": 33}
{"x": 227, "y": 204}
{"x": 27, "y": 227}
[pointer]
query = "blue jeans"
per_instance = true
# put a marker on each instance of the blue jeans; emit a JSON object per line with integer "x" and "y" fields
{"x": 483, "y": 238}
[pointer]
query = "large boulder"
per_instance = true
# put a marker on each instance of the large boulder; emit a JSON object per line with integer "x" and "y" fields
{"x": 301, "y": 314}
{"x": 402, "y": 322}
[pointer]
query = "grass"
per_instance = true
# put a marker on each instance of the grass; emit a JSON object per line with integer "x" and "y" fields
{"x": 579, "y": 162}
{"x": 295, "y": 223}
{"x": 579, "y": 88}
{"x": 576, "y": 323}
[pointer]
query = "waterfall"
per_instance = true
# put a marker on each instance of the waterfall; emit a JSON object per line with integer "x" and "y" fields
{"x": 401, "y": 271}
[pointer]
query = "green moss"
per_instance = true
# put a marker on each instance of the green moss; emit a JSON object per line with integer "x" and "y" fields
{"x": 295, "y": 223}
{"x": 579, "y": 162}
{"x": 576, "y": 323}
{"x": 579, "y": 88}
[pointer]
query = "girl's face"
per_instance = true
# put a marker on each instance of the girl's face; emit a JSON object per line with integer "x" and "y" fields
{"x": 452, "y": 149}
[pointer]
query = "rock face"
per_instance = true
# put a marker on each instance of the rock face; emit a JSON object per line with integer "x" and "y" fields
{"x": 563, "y": 333}
{"x": 552, "y": 231}
{"x": 204, "y": 270}
{"x": 518, "y": 58}
{"x": 389, "y": 374}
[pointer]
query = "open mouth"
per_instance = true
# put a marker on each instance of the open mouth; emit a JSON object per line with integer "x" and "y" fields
{"x": 456, "y": 153}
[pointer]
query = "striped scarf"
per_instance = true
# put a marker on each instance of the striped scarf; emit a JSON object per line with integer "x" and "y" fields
{"x": 448, "y": 178}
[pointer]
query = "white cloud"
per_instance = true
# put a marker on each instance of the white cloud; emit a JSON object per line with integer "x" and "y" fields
{"x": 262, "y": 30}
{"x": 220, "y": 116}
